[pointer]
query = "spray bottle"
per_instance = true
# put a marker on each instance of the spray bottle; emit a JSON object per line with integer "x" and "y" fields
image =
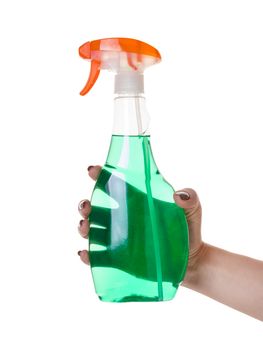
{"x": 138, "y": 239}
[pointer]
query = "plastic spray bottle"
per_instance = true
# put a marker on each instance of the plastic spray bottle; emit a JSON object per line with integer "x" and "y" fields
{"x": 138, "y": 239}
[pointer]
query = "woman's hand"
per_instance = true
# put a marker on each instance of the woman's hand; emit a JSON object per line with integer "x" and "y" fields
{"x": 185, "y": 198}
{"x": 232, "y": 279}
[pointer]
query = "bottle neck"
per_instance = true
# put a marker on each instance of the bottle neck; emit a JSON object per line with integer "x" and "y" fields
{"x": 130, "y": 115}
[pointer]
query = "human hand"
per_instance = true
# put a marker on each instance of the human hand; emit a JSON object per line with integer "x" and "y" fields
{"x": 186, "y": 198}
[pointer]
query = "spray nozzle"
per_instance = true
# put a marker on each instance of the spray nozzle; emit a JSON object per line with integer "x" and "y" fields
{"x": 126, "y": 57}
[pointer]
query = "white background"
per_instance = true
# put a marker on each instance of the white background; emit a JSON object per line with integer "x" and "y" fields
{"x": 205, "y": 101}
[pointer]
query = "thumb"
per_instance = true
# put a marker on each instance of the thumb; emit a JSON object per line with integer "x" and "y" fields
{"x": 188, "y": 199}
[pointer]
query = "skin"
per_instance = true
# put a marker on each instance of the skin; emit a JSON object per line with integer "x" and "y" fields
{"x": 231, "y": 279}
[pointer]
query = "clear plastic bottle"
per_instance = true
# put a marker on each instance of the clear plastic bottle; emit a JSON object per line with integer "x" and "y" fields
{"x": 138, "y": 240}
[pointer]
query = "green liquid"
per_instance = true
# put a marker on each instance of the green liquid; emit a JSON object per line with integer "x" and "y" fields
{"x": 138, "y": 240}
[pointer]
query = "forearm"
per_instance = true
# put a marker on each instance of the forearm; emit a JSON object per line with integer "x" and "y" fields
{"x": 231, "y": 279}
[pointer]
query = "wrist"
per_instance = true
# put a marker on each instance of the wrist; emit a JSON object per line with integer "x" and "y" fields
{"x": 196, "y": 259}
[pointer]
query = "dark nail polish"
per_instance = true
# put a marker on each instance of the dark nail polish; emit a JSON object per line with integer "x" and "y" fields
{"x": 82, "y": 204}
{"x": 183, "y": 195}
{"x": 90, "y": 167}
{"x": 79, "y": 252}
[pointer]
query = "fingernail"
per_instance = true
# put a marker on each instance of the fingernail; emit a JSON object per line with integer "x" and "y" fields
{"x": 79, "y": 252}
{"x": 82, "y": 204}
{"x": 81, "y": 222}
{"x": 183, "y": 195}
{"x": 90, "y": 167}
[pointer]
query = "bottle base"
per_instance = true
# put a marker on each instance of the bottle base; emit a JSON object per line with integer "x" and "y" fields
{"x": 131, "y": 298}
{"x": 114, "y": 285}
{"x": 138, "y": 298}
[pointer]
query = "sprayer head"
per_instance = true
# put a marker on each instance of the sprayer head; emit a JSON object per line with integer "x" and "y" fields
{"x": 126, "y": 57}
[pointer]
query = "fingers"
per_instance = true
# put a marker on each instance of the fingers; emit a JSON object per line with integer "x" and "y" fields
{"x": 84, "y": 227}
{"x": 94, "y": 171}
{"x": 84, "y": 208}
{"x": 84, "y": 205}
{"x": 84, "y": 256}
